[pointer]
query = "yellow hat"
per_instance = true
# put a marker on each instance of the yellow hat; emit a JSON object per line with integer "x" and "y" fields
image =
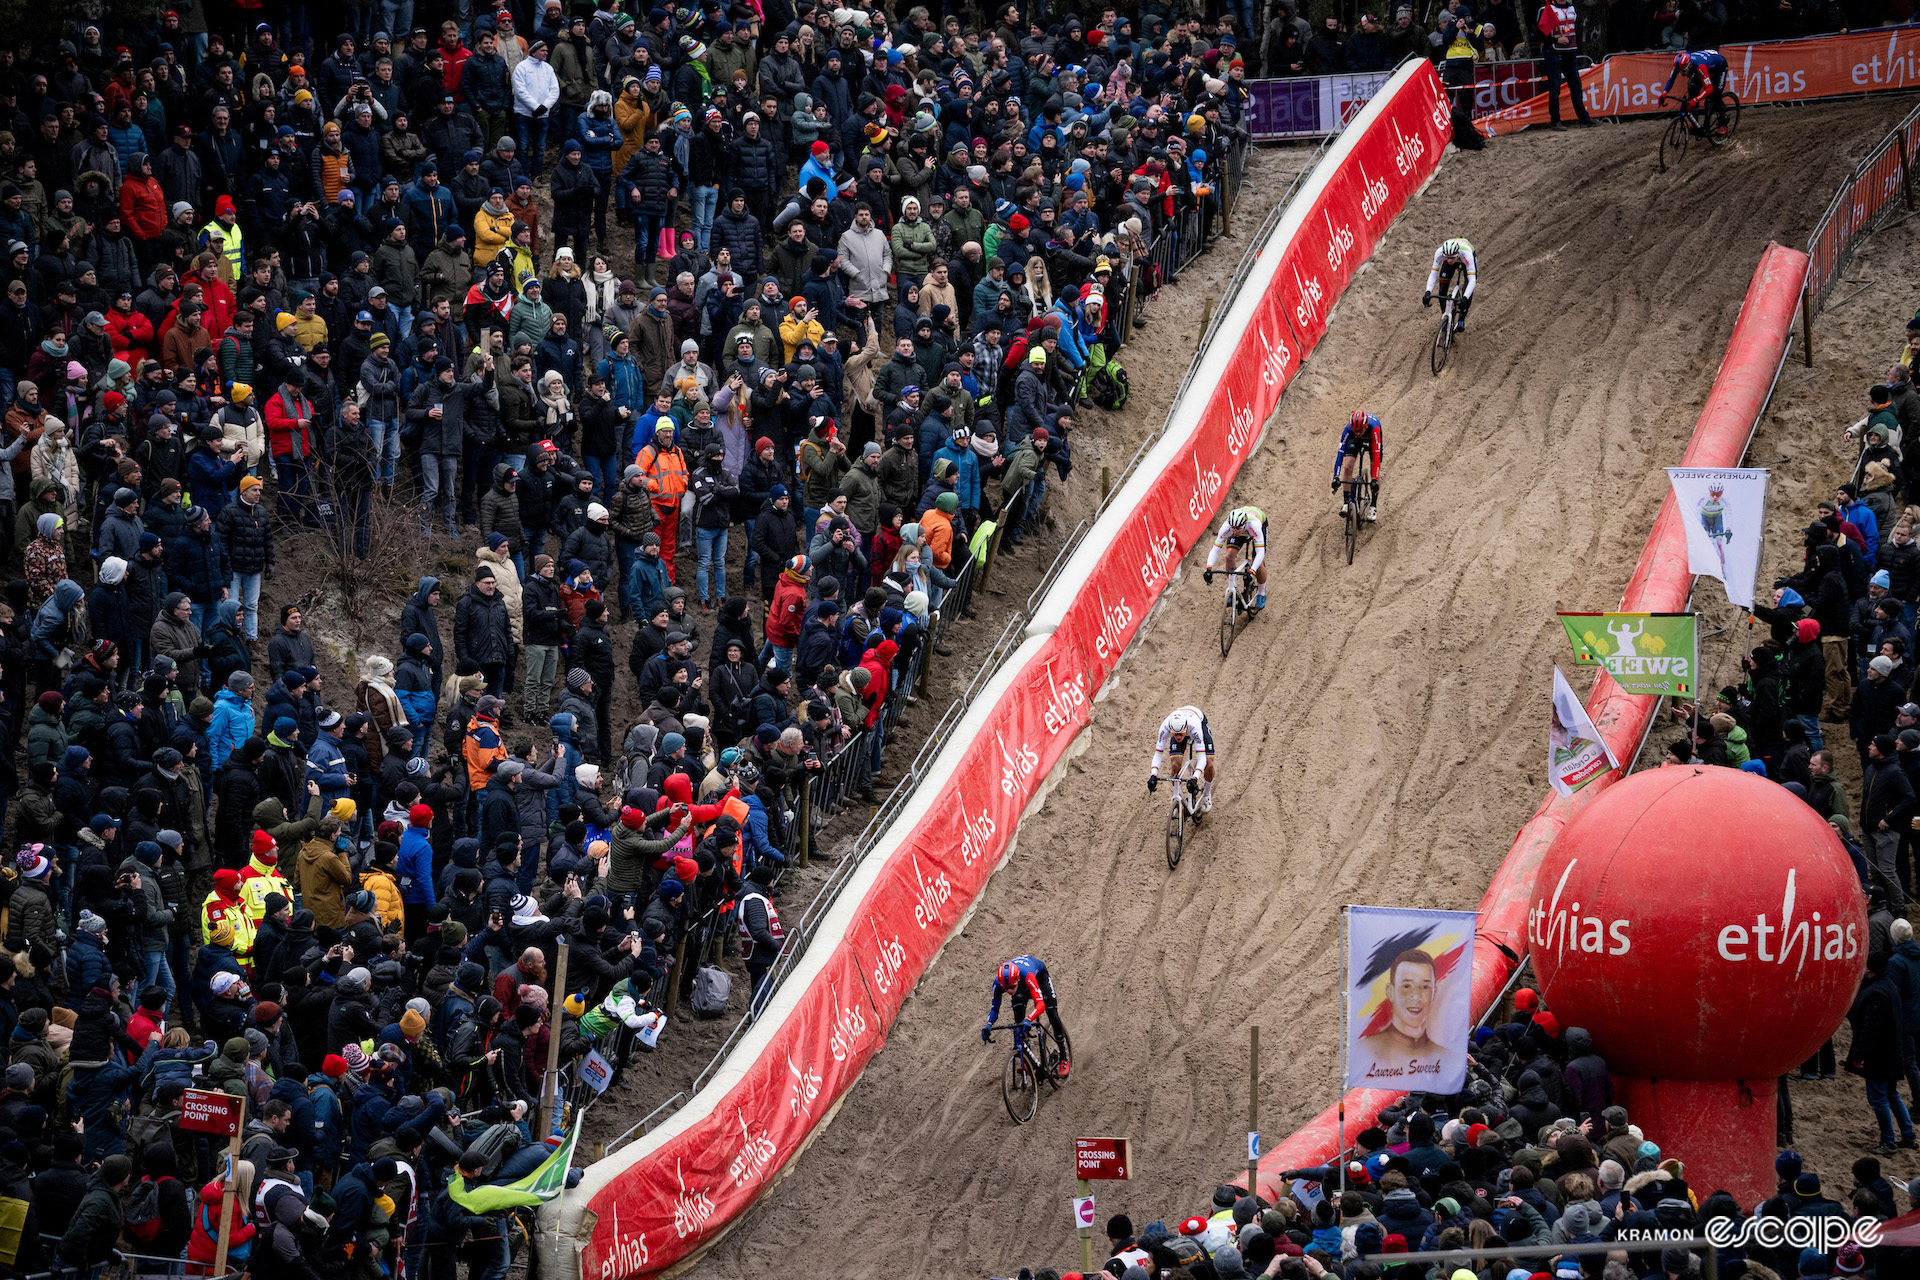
{"x": 239, "y": 393}
{"x": 1196, "y": 123}
{"x": 575, "y": 1006}
{"x": 344, "y": 809}
{"x": 283, "y": 322}
{"x": 222, "y": 935}
{"x": 302, "y": 95}
{"x": 1101, "y": 264}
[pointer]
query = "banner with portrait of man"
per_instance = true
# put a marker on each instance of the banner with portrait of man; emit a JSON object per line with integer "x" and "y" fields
{"x": 1409, "y": 998}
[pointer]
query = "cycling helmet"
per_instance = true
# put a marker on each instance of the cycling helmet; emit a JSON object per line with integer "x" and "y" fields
{"x": 1682, "y": 60}
{"x": 1009, "y": 975}
{"x": 1238, "y": 518}
{"x": 1359, "y": 420}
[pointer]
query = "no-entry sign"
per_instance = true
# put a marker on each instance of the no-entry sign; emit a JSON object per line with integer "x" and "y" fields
{"x": 1102, "y": 1158}
{"x": 204, "y": 1111}
{"x": 1083, "y": 1212}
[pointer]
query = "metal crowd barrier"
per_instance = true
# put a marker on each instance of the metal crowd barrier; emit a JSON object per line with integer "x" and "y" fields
{"x": 1878, "y": 184}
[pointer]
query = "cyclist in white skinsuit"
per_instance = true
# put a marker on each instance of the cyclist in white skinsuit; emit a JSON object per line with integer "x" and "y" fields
{"x": 1185, "y": 743}
{"x": 1243, "y": 526}
{"x": 1448, "y": 258}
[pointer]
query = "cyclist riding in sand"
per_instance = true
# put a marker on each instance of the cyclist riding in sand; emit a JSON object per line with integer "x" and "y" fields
{"x": 1243, "y": 526}
{"x": 1706, "y": 73}
{"x": 1025, "y": 979}
{"x": 1362, "y": 435}
{"x": 1183, "y": 750}
{"x": 1451, "y": 257}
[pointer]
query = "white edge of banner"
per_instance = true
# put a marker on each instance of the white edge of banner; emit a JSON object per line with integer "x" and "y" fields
{"x": 1184, "y": 424}
{"x": 1188, "y": 415}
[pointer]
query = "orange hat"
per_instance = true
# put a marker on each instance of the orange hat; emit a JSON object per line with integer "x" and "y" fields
{"x": 249, "y": 482}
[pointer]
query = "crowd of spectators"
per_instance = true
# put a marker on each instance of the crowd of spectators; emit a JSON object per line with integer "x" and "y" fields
{"x": 721, "y": 339}
{"x": 1535, "y": 1153}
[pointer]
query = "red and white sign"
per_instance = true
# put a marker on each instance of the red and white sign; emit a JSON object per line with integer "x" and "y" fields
{"x": 672, "y": 1196}
{"x": 205, "y": 1111}
{"x": 1097, "y": 1159}
{"x": 1083, "y": 1212}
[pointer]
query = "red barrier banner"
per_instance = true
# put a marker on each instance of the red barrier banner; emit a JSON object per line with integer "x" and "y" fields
{"x": 1385, "y": 167}
{"x": 701, "y": 1179}
{"x": 1838, "y": 66}
{"x": 1660, "y": 583}
{"x": 936, "y": 873}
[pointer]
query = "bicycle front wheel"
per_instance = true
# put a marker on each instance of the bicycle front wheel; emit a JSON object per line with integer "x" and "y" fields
{"x": 1442, "y": 341}
{"x": 1020, "y": 1087}
{"x": 1229, "y": 619}
{"x": 1673, "y": 142}
{"x": 1726, "y": 119}
{"x": 1176, "y": 830}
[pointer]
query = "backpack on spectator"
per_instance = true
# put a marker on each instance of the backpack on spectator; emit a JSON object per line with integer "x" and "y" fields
{"x": 711, "y": 987}
{"x": 1107, "y": 385}
{"x": 142, "y": 1218}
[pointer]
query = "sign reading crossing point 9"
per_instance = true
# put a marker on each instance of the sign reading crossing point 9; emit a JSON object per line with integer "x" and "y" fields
{"x": 1701, "y": 923}
{"x": 1340, "y": 215}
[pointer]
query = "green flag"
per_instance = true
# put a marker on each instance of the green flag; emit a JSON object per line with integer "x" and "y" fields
{"x": 1647, "y": 653}
{"x": 538, "y": 1187}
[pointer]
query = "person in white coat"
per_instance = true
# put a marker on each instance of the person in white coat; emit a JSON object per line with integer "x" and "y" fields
{"x": 866, "y": 256}
{"x": 535, "y": 91}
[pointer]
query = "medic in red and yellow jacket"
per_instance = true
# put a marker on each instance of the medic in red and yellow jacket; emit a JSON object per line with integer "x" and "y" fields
{"x": 224, "y": 906}
{"x": 260, "y": 877}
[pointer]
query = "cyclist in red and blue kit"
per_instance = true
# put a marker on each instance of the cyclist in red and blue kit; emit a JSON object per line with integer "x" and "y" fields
{"x": 1361, "y": 435}
{"x": 1706, "y": 73}
{"x": 1025, "y": 979}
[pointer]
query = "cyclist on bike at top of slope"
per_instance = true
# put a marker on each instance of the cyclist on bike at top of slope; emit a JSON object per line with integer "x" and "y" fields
{"x": 1184, "y": 735}
{"x": 1361, "y": 434}
{"x": 1025, "y": 979}
{"x": 1242, "y": 526}
{"x": 1452, "y": 256}
{"x": 1706, "y": 73}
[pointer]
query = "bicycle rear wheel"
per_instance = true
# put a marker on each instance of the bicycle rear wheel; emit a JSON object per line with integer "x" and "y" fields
{"x": 1353, "y": 524}
{"x": 1443, "y": 340}
{"x": 1229, "y": 618}
{"x": 1020, "y": 1086}
{"x": 1176, "y": 829}
{"x": 1062, "y": 1052}
{"x": 1726, "y": 119}
{"x": 1673, "y": 142}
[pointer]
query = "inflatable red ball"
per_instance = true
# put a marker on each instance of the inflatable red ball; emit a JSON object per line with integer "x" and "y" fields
{"x": 1701, "y": 923}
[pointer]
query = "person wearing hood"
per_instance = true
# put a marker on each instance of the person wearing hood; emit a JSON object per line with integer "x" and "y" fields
{"x": 324, "y": 877}
{"x": 58, "y": 625}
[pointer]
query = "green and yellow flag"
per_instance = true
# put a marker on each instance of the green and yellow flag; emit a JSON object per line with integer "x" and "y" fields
{"x": 1647, "y": 653}
{"x": 538, "y": 1187}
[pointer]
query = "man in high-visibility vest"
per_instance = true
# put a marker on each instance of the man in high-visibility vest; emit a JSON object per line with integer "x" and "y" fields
{"x": 666, "y": 471}
{"x": 222, "y": 238}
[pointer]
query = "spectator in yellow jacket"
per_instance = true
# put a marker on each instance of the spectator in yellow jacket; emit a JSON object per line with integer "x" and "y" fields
{"x": 800, "y": 324}
{"x": 492, "y": 229}
{"x": 260, "y": 877}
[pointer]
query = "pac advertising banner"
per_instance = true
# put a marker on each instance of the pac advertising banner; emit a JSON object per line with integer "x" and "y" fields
{"x": 1655, "y": 653}
{"x": 1835, "y": 66}
{"x": 1576, "y": 753}
{"x": 1722, "y": 509}
{"x": 1308, "y": 106}
{"x": 1409, "y": 998}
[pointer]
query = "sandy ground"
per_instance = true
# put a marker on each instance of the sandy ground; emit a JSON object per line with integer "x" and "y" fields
{"x": 1379, "y": 729}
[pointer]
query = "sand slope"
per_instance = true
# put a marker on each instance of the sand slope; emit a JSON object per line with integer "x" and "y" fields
{"x": 1380, "y": 728}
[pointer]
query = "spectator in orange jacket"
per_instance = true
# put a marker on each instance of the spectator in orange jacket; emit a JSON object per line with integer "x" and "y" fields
{"x": 666, "y": 470}
{"x": 936, "y": 524}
